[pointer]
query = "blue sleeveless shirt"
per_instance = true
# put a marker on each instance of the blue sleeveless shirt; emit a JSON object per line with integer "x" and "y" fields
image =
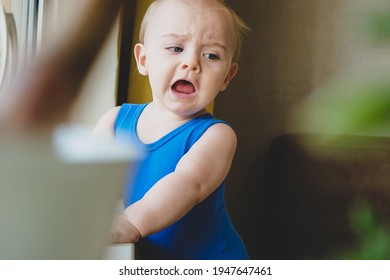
{"x": 206, "y": 232}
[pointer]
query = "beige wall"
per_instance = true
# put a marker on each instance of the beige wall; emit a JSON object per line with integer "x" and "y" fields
{"x": 295, "y": 48}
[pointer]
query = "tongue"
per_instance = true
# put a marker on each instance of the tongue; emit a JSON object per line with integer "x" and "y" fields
{"x": 184, "y": 87}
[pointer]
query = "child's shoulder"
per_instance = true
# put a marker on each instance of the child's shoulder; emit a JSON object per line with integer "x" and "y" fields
{"x": 111, "y": 114}
{"x": 221, "y": 133}
{"x": 106, "y": 122}
{"x": 222, "y": 128}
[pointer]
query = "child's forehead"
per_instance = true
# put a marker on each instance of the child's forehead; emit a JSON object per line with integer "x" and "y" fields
{"x": 190, "y": 6}
{"x": 236, "y": 29}
{"x": 182, "y": 14}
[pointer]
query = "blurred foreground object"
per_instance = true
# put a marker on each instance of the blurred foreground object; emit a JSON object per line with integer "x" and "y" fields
{"x": 58, "y": 197}
{"x": 330, "y": 183}
{"x": 349, "y": 108}
{"x": 358, "y": 104}
{"x": 58, "y": 190}
{"x": 43, "y": 92}
{"x": 372, "y": 232}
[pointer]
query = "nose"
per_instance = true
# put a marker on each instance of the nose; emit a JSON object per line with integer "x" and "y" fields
{"x": 191, "y": 63}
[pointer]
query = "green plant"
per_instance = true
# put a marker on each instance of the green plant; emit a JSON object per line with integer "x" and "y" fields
{"x": 360, "y": 106}
{"x": 372, "y": 235}
{"x": 355, "y": 106}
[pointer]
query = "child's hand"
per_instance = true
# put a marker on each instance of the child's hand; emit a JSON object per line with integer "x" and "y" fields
{"x": 123, "y": 231}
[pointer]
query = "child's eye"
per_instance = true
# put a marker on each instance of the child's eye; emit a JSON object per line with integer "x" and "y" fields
{"x": 211, "y": 56}
{"x": 175, "y": 49}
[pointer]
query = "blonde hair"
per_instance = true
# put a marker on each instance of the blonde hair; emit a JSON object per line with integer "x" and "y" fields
{"x": 239, "y": 25}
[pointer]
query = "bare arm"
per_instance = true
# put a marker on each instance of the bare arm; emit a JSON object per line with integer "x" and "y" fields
{"x": 197, "y": 175}
{"x": 105, "y": 126}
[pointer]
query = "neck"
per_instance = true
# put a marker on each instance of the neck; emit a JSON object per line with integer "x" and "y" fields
{"x": 163, "y": 114}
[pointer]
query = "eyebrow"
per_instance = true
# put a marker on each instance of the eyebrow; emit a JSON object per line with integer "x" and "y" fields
{"x": 220, "y": 45}
{"x": 178, "y": 36}
{"x": 173, "y": 35}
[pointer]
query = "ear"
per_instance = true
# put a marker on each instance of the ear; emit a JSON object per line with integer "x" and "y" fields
{"x": 140, "y": 58}
{"x": 232, "y": 72}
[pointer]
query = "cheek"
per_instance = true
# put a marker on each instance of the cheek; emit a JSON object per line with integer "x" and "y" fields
{"x": 218, "y": 76}
{"x": 219, "y": 81}
{"x": 159, "y": 77}
{"x": 214, "y": 84}
{"x": 158, "y": 65}
{"x": 153, "y": 70}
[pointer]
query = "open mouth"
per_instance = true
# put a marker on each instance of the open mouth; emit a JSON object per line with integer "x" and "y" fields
{"x": 183, "y": 87}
